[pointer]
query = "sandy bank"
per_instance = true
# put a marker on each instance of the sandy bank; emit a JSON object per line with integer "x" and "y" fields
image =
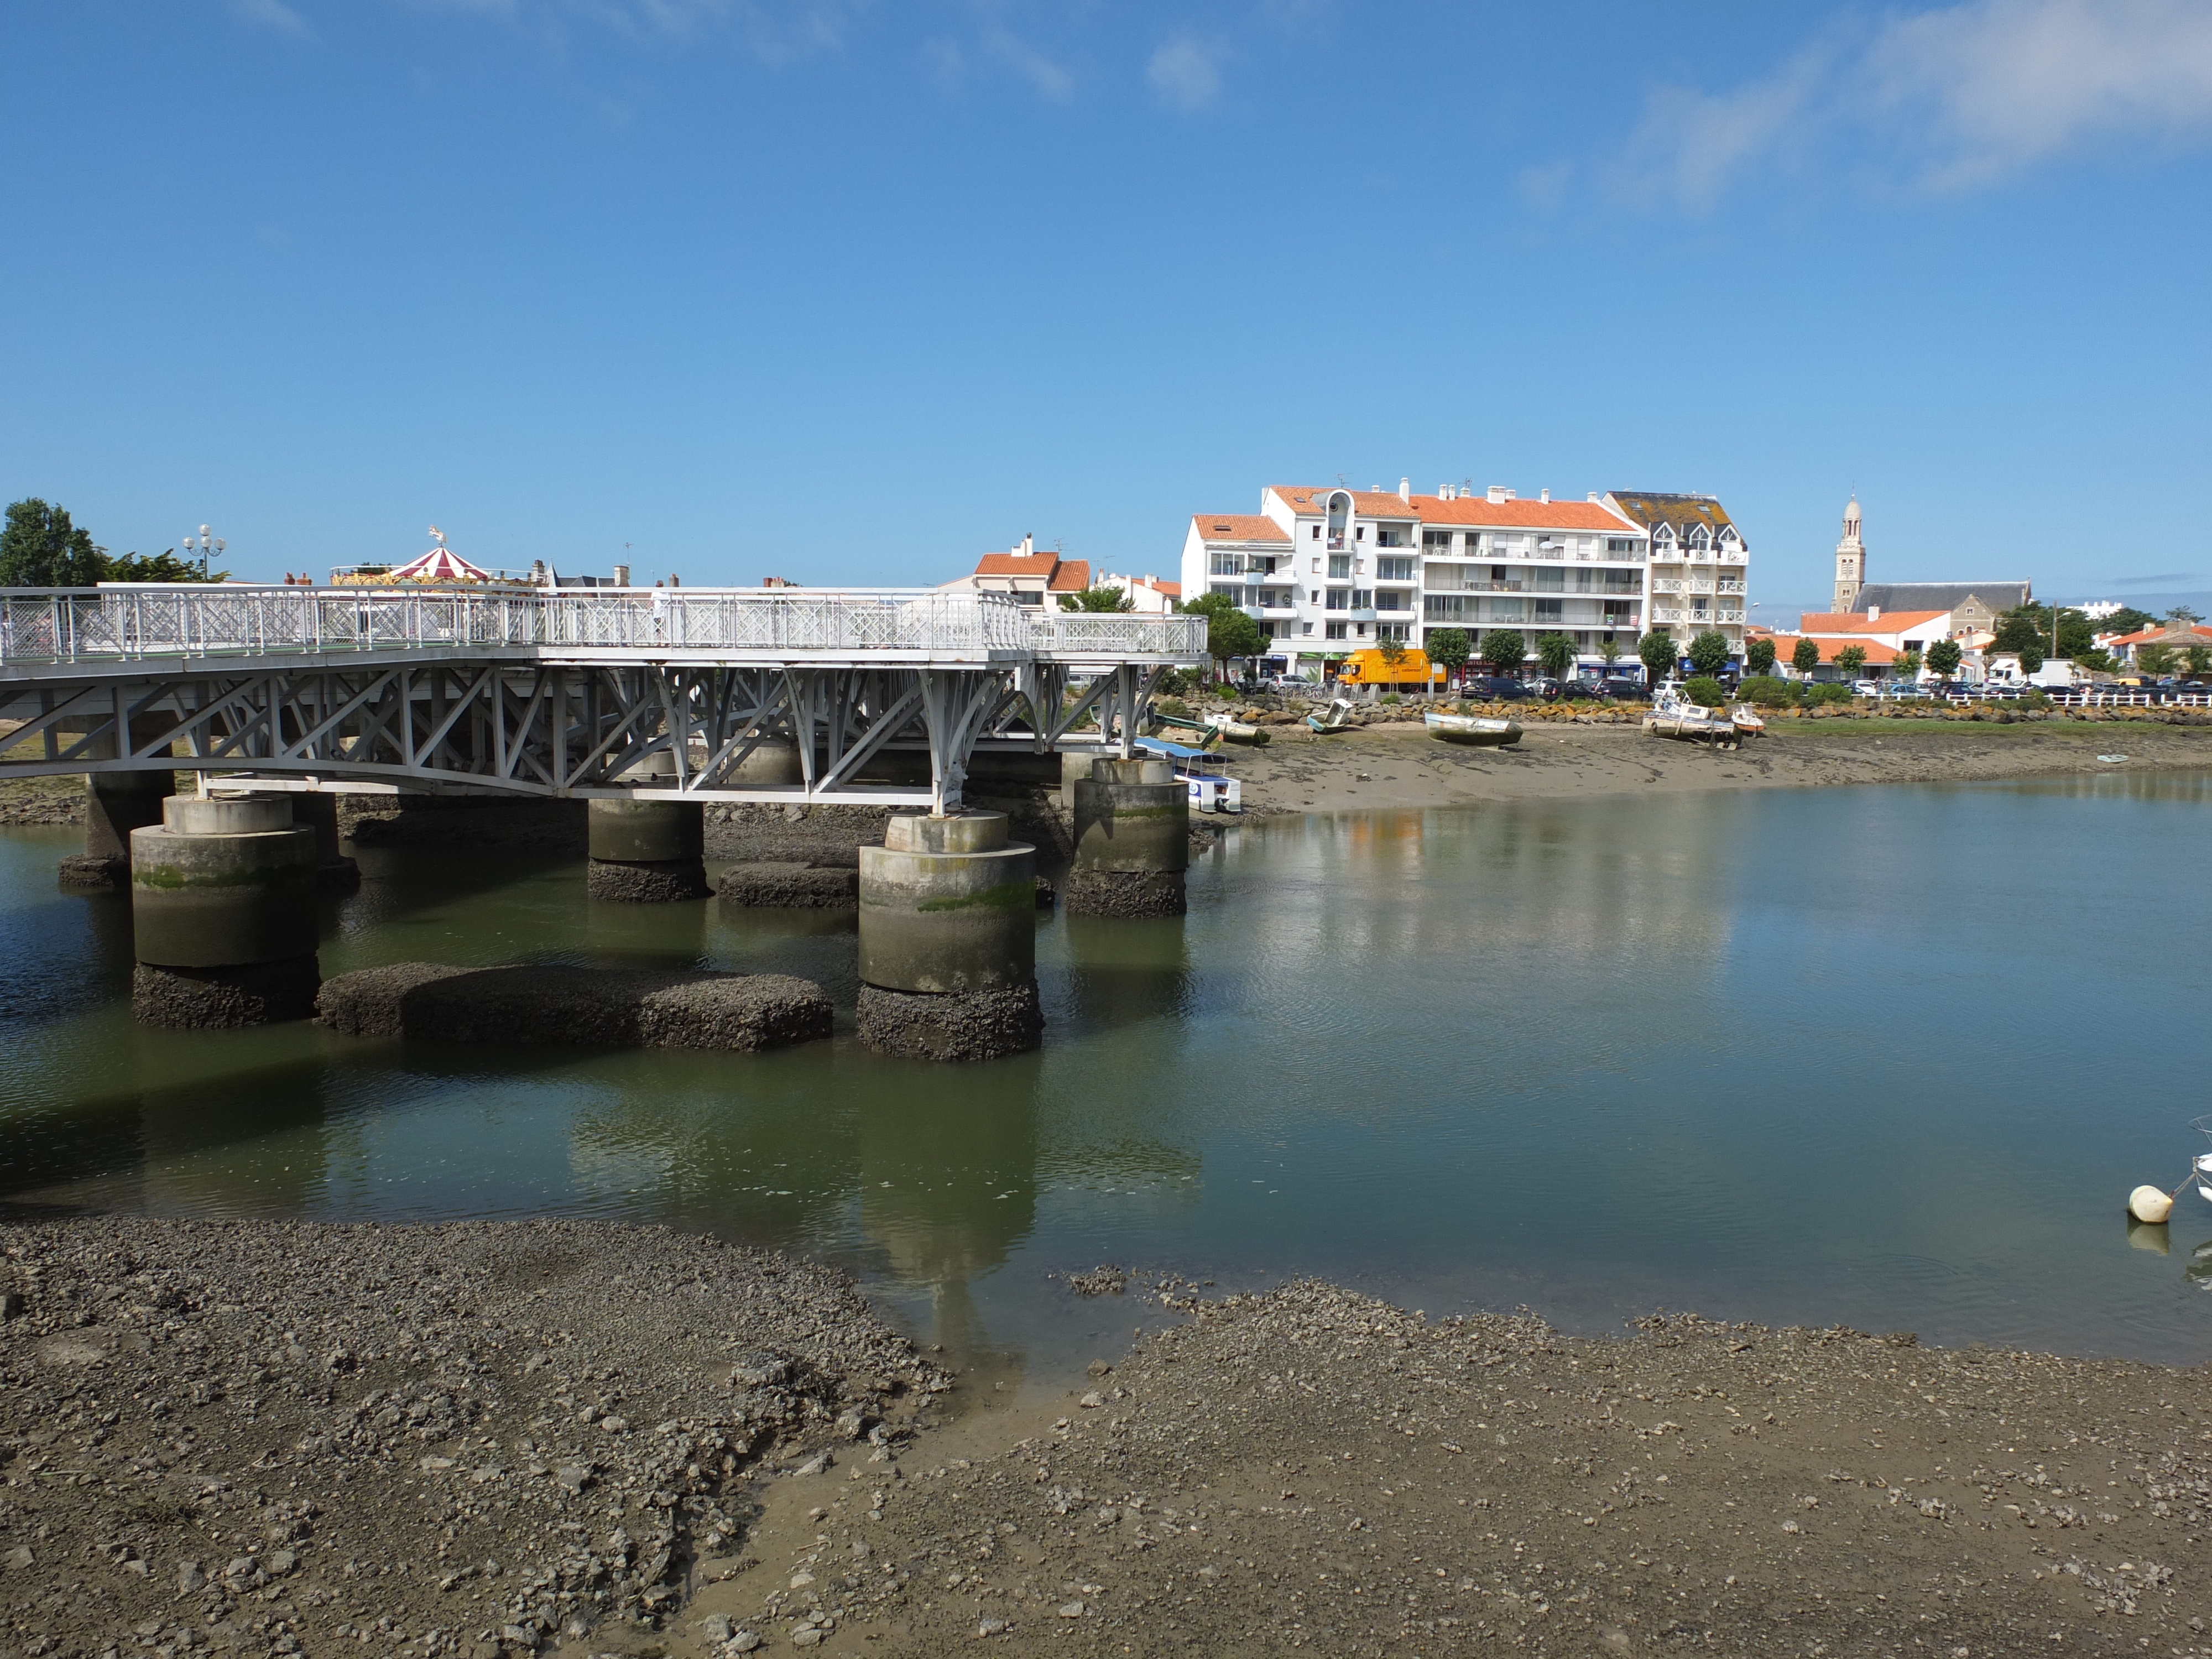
{"x": 1400, "y": 765}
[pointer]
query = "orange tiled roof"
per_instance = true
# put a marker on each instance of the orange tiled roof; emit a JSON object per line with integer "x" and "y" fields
{"x": 1173, "y": 590}
{"x": 1239, "y": 527}
{"x": 1876, "y": 651}
{"x": 2153, "y": 636}
{"x": 1059, "y": 575}
{"x": 1478, "y": 510}
{"x": 1851, "y": 621}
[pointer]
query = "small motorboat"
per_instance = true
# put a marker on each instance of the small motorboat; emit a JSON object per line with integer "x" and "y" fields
{"x": 1748, "y": 720}
{"x": 1338, "y": 718}
{"x": 1237, "y": 731}
{"x": 1674, "y": 716}
{"x": 1472, "y": 729}
{"x": 1205, "y": 777}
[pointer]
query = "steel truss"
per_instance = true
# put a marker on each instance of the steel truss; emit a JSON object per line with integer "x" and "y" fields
{"x": 535, "y": 727}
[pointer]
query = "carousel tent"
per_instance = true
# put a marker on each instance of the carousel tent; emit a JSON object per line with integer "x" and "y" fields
{"x": 440, "y": 564}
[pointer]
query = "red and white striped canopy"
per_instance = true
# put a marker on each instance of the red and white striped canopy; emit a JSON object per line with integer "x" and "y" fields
{"x": 440, "y": 564}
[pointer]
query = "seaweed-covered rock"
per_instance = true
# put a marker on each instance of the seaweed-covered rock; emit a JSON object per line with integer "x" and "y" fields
{"x": 970, "y": 1025}
{"x": 609, "y": 1007}
{"x": 790, "y": 885}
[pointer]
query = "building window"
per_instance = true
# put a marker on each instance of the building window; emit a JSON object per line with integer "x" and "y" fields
{"x": 1306, "y": 629}
{"x": 1394, "y": 570}
{"x": 1315, "y": 533}
{"x": 1550, "y": 610}
{"x": 1392, "y": 631}
{"x": 1224, "y": 564}
{"x": 1435, "y": 540}
{"x": 1363, "y": 599}
{"x": 1621, "y": 547}
{"x": 1445, "y": 607}
{"x": 1340, "y": 598}
{"x": 1360, "y": 535}
{"x": 1335, "y": 630}
{"x": 1359, "y": 630}
{"x": 1340, "y": 567}
{"x": 1387, "y": 599}
{"x": 1548, "y": 579}
{"x": 1226, "y": 591}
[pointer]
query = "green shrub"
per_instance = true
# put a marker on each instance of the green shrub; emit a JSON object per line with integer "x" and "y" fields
{"x": 1833, "y": 692}
{"x": 1705, "y": 691}
{"x": 1175, "y": 706}
{"x": 1391, "y": 697}
{"x": 2034, "y": 700}
{"x": 1768, "y": 691}
{"x": 1177, "y": 681}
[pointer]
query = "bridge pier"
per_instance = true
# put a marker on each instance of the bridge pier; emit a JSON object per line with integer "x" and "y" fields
{"x": 948, "y": 940}
{"x": 335, "y": 872}
{"x": 115, "y": 804}
{"x": 1132, "y": 841}
{"x": 222, "y": 913}
{"x": 646, "y": 851}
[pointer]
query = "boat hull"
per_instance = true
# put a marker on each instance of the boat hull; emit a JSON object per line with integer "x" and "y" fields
{"x": 1475, "y": 730}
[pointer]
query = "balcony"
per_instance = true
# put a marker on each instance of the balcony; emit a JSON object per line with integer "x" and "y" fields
{"x": 1667, "y": 585}
{"x": 1254, "y": 578}
{"x": 1728, "y": 615}
{"x": 1731, "y": 584}
{"x": 1367, "y": 616}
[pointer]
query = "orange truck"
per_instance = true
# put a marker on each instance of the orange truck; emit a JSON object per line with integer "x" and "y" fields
{"x": 1368, "y": 668}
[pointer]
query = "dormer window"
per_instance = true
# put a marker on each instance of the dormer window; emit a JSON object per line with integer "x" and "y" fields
{"x": 1700, "y": 537}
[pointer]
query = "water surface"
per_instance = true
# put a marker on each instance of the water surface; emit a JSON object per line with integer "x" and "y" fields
{"x": 1890, "y": 1056}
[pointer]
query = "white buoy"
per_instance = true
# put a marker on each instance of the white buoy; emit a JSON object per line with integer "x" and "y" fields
{"x": 2150, "y": 1204}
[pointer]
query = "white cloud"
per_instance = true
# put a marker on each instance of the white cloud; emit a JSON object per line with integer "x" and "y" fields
{"x": 1186, "y": 71}
{"x": 1960, "y": 96}
{"x": 1047, "y": 78}
{"x": 777, "y": 30}
{"x": 271, "y": 14}
{"x": 2004, "y": 83}
{"x": 1693, "y": 144}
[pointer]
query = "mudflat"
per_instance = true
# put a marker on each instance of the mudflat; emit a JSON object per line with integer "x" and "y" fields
{"x": 1397, "y": 764}
{"x": 496, "y": 1439}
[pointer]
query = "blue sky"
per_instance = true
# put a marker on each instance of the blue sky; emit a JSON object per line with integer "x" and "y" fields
{"x": 852, "y": 291}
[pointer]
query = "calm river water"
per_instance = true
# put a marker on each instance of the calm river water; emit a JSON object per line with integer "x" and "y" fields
{"x": 1889, "y": 1056}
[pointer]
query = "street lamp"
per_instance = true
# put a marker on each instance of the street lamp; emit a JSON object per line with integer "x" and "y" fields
{"x": 206, "y": 544}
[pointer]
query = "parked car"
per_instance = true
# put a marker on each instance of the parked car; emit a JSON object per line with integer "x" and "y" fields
{"x": 1496, "y": 687}
{"x": 1866, "y": 688}
{"x": 1622, "y": 688}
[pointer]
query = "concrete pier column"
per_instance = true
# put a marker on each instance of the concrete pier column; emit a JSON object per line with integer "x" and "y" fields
{"x": 115, "y": 804}
{"x": 948, "y": 940}
{"x": 647, "y": 852}
{"x": 222, "y": 913}
{"x": 334, "y": 871}
{"x": 1132, "y": 841}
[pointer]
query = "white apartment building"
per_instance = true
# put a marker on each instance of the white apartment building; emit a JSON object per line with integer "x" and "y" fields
{"x": 1699, "y": 564}
{"x": 1325, "y": 571}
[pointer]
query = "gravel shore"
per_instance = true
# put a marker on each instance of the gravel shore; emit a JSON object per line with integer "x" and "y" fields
{"x": 497, "y": 1438}
{"x": 478, "y": 1438}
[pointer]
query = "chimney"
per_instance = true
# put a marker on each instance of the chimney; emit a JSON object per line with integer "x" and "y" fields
{"x": 675, "y": 580}
{"x": 621, "y": 576}
{"x": 1029, "y": 544}
{"x": 1543, "y": 495}
{"x": 1874, "y": 613}
{"x": 1593, "y": 495}
{"x": 1406, "y": 490}
{"x": 1499, "y": 493}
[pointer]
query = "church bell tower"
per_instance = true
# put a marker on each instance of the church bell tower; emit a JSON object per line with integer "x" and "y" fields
{"x": 1851, "y": 562}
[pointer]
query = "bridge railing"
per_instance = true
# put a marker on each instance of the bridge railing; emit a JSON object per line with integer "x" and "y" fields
{"x": 68, "y": 625}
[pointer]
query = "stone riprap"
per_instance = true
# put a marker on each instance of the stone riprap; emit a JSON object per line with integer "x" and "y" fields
{"x": 608, "y": 1007}
{"x": 963, "y": 1025}
{"x": 472, "y": 1440}
{"x": 790, "y": 886}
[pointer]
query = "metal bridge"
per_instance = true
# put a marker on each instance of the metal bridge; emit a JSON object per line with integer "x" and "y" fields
{"x": 564, "y": 692}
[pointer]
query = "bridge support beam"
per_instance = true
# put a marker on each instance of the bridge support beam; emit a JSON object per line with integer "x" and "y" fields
{"x": 115, "y": 804}
{"x": 222, "y": 913}
{"x": 1132, "y": 841}
{"x": 646, "y": 851}
{"x": 948, "y": 940}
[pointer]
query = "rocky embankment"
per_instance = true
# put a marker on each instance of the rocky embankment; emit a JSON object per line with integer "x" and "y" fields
{"x": 481, "y": 1439}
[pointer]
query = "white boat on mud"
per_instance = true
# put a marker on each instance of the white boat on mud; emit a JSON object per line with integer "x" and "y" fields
{"x": 1237, "y": 731}
{"x": 1674, "y": 716}
{"x": 1338, "y": 718}
{"x": 1204, "y": 777}
{"x": 1472, "y": 729}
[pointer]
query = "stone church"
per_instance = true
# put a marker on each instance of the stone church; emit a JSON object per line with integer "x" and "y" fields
{"x": 1974, "y": 607}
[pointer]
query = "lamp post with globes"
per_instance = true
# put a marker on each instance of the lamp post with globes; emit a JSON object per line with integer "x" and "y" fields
{"x": 206, "y": 544}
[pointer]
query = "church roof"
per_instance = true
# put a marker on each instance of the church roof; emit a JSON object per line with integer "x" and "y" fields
{"x": 1942, "y": 596}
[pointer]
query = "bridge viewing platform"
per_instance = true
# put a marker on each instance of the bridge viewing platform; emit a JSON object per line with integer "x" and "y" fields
{"x": 690, "y": 695}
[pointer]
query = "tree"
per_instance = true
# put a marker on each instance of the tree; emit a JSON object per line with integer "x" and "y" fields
{"x": 1943, "y": 657}
{"x": 2182, "y": 613}
{"x": 41, "y": 547}
{"x": 2198, "y": 660}
{"x": 1907, "y": 665}
{"x": 1655, "y": 651}
{"x": 1708, "y": 651}
{"x": 1229, "y": 632}
{"x": 2127, "y": 620}
{"x": 1449, "y": 646}
{"x": 1387, "y": 647}
{"x": 163, "y": 567}
{"x": 1850, "y": 659}
{"x": 1805, "y": 655}
{"x": 1504, "y": 650}
{"x": 2155, "y": 658}
{"x": 1759, "y": 655}
{"x": 1555, "y": 653}
{"x": 1609, "y": 651}
{"x": 2024, "y": 630}
{"x": 1100, "y": 599}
